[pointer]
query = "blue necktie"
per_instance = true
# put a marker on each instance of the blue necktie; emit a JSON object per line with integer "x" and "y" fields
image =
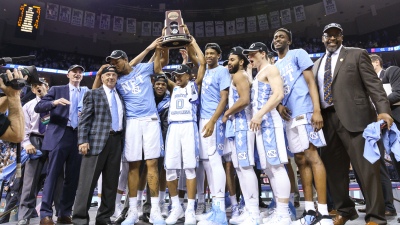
{"x": 74, "y": 108}
{"x": 328, "y": 80}
{"x": 42, "y": 127}
{"x": 114, "y": 112}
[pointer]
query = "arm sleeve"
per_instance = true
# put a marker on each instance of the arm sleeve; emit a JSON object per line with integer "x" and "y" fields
{"x": 303, "y": 60}
{"x": 86, "y": 118}
{"x": 46, "y": 103}
{"x": 4, "y": 124}
{"x": 224, "y": 79}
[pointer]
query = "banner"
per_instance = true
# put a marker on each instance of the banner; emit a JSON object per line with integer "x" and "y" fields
{"x": 157, "y": 29}
{"x": 240, "y": 27}
{"x": 219, "y": 28}
{"x": 190, "y": 27}
{"x": 89, "y": 19}
{"x": 65, "y": 14}
{"x": 199, "y": 29}
{"x": 52, "y": 11}
{"x": 330, "y": 6}
{"x": 105, "y": 21}
{"x": 146, "y": 28}
{"x": 274, "y": 16}
{"x": 230, "y": 27}
{"x": 299, "y": 13}
{"x": 118, "y": 24}
{"x": 77, "y": 17}
{"x": 251, "y": 24}
{"x": 285, "y": 16}
{"x": 263, "y": 22}
{"x": 131, "y": 25}
{"x": 209, "y": 28}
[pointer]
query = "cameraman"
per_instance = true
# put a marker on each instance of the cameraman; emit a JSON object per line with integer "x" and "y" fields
{"x": 12, "y": 128}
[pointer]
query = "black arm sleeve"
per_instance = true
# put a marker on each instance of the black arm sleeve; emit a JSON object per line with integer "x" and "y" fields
{"x": 4, "y": 124}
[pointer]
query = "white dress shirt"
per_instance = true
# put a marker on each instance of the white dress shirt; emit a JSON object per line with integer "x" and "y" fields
{"x": 379, "y": 74}
{"x": 119, "y": 104}
{"x": 32, "y": 120}
{"x": 321, "y": 72}
{"x": 72, "y": 88}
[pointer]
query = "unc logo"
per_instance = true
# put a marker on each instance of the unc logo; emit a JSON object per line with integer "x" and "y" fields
{"x": 221, "y": 146}
{"x": 136, "y": 89}
{"x": 162, "y": 147}
{"x": 114, "y": 52}
{"x": 286, "y": 89}
{"x": 180, "y": 67}
{"x": 234, "y": 49}
{"x": 271, "y": 153}
{"x": 242, "y": 155}
{"x": 313, "y": 135}
{"x": 252, "y": 45}
{"x": 197, "y": 158}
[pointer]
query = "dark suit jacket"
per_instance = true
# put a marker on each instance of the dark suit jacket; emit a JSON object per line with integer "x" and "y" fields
{"x": 95, "y": 121}
{"x": 392, "y": 76}
{"x": 58, "y": 115}
{"x": 354, "y": 83}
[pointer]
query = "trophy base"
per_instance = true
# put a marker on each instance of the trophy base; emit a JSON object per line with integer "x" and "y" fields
{"x": 175, "y": 41}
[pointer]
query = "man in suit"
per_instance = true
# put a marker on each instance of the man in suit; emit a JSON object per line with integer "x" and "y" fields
{"x": 346, "y": 81}
{"x": 377, "y": 62}
{"x": 61, "y": 141}
{"x": 100, "y": 141}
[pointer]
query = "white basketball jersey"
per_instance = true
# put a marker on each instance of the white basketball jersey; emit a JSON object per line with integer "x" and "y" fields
{"x": 184, "y": 103}
{"x": 240, "y": 120}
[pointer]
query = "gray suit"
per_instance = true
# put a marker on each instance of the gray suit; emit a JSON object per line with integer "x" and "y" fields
{"x": 104, "y": 157}
{"x": 354, "y": 83}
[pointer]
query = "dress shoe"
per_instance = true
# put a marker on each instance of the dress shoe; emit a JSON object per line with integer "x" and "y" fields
{"x": 340, "y": 220}
{"x": 47, "y": 220}
{"x": 64, "y": 220}
{"x": 362, "y": 210}
{"x": 387, "y": 213}
{"x": 296, "y": 204}
{"x": 371, "y": 223}
{"x": 24, "y": 222}
{"x": 333, "y": 212}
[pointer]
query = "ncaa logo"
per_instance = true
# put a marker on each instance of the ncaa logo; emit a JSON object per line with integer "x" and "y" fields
{"x": 271, "y": 153}
{"x": 221, "y": 146}
{"x": 313, "y": 135}
{"x": 252, "y": 45}
{"x": 242, "y": 155}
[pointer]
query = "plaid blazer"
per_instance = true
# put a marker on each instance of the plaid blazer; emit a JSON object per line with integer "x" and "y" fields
{"x": 95, "y": 120}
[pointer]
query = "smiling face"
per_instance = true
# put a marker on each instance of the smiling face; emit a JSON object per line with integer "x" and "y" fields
{"x": 40, "y": 90}
{"x": 182, "y": 79}
{"x": 255, "y": 58}
{"x": 234, "y": 63}
{"x": 109, "y": 79}
{"x": 160, "y": 87}
{"x": 211, "y": 56}
{"x": 281, "y": 41}
{"x": 332, "y": 39}
{"x": 75, "y": 76}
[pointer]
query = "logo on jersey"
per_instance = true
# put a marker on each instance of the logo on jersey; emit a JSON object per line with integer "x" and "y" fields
{"x": 313, "y": 135}
{"x": 272, "y": 154}
{"x": 286, "y": 89}
{"x": 242, "y": 156}
{"x": 221, "y": 146}
{"x": 197, "y": 158}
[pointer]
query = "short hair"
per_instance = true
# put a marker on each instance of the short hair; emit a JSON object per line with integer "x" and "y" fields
{"x": 375, "y": 57}
{"x": 287, "y": 31}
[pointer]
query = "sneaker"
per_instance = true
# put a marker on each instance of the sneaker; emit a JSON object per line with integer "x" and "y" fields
{"x": 140, "y": 208}
{"x": 306, "y": 218}
{"x": 175, "y": 214}
{"x": 267, "y": 213}
{"x": 279, "y": 219}
{"x": 183, "y": 208}
{"x": 156, "y": 217}
{"x": 132, "y": 217}
{"x": 201, "y": 208}
{"x": 235, "y": 212}
{"x": 217, "y": 218}
{"x": 228, "y": 202}
{"x": 164, "y": 208}
{"x": 252, "y": 219}
{"x": 240, "y": 219}
{"x": 266, "y": 216}
{"x": 205, "y": 216}
{"x": 322, "y": 220}
{"x": 118, "y": 210}
{"x": 292, "y": 211}
{"x": 190, "y": 217}
{"x": 242, "y": 205}
{"x": 146, "y": 208}
{"x": 272, "y": 204}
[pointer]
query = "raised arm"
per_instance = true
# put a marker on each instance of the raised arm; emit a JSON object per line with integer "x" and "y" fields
{"x": 243, "y": 89}
{"x": 97, "y": 81}
{"x": 201, "y": 61}
{"x": 138, "y": 59}
{"x": 316, "y": 120}
{"x": 157, "y": 63}
{"x": 272, "y": 75}
{"x": 190, "y": 48}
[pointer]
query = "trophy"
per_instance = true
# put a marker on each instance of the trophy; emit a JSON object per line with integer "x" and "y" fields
{"x": 175, "y": 36}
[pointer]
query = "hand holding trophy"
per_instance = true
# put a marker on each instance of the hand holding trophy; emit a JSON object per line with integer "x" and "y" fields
{"x": 175, "y": 35}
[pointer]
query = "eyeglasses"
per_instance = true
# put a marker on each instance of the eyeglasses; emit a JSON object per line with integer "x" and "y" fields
{"x": 326, "y": 36}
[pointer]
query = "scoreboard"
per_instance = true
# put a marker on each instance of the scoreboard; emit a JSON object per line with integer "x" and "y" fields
{"x": 28, "y": 22}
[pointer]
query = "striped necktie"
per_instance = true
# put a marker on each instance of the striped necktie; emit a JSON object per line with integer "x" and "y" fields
{"x": 328, "y": 80}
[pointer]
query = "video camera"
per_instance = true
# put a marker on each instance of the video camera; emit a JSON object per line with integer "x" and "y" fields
{"x": 29, "y": 71}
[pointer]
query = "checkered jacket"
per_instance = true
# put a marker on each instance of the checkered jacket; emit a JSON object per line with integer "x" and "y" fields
{"x": 95, "y": 120}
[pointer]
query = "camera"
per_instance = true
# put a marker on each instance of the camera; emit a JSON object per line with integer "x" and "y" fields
{"x": 30, "y": 71}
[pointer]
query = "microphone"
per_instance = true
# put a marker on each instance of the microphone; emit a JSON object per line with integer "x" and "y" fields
{"x": 8, "y": 60}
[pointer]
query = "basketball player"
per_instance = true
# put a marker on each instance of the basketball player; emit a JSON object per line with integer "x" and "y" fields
{"x": 300, "y": 108}
{"x": 266, "y": 93}
{"x": 214, "y": 98}
{"x": 182, "y": 138}
{"x": 238, "y": 118}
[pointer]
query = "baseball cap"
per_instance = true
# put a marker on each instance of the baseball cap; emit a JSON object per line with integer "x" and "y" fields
{"x": 116, "y": 54}
{"x": 41, "y": 80}
{"x": 161, "y": 76}
{"x": 225, "y": 63}
{"x": 182, "y": 69}
{"x": 110, "y": 69}
{"x": 257, "y": 46}
{"x": 76, "y": 66}
{"x": 331, "y": 25}
{"x": 239, "y": 52}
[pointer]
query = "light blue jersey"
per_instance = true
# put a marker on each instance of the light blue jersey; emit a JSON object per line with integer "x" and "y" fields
{"x": 137, "y": 91}
{"x": 215, "y": 80}
{"x": 296, "y": 93}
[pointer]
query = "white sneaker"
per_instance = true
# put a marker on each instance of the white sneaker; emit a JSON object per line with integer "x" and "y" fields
{"x": 235, "y": 211}
{"x": 240, "y": 219}
{"x": 266, "y": 220}
{"x": 118, "y": 210}
{"x": 164, "y": 208}
{"x": 279, "y": 220}
{"x": 205, "y": 216}
{"x": 140, "y": 208}
{"x": 267, "y": 213}
{"x": 190, "y": 218}
{"x": 252, "y": 219}
{"x": 132, "y": 217}
{"x": 156, "y": 217}
{"x": 175, "y": 214}
{"x": 201, "y": 208}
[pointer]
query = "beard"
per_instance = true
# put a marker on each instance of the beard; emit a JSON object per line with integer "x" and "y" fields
{"x": 234, "y": 68}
